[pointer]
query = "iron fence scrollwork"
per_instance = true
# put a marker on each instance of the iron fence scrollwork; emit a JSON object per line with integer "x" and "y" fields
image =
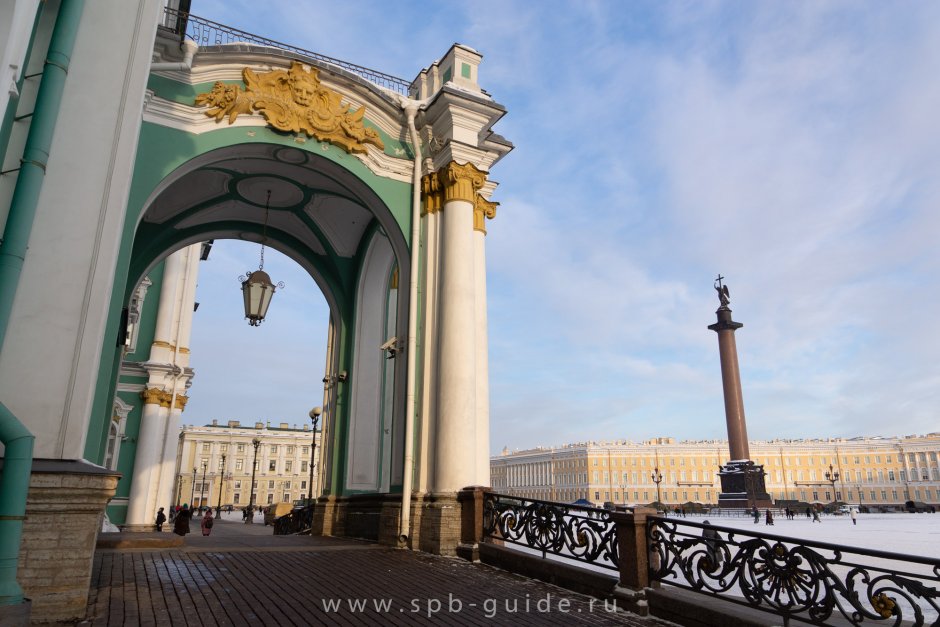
{"x": 814, "y": 582}
{"x": 584, "y": 534}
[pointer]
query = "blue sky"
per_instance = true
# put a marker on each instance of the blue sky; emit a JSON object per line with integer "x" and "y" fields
{"x": 793, "y": 147}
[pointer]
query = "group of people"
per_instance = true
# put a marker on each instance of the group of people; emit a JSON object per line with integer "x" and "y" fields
{"x": 182, "y": 517}
{"x": 768, "y": 516}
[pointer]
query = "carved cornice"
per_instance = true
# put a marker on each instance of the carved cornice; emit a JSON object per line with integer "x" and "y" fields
{"x": 293, "y": 101}
{"x": 152, "y": 396}
{"x": 461, "y": 182}
{"x": 483, "y": 209}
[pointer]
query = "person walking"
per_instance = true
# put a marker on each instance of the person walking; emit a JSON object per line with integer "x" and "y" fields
{"x": 756, "y": 514}
{"x": 769, "y": 518}
{"x": 161, "y": 518}
{"x": 712, "y": 540}
{"x": 816, "y": 516}
{"x": 207, "y": 522}
{"x": 181, "y": 524}
{"x": 854, "y": 516}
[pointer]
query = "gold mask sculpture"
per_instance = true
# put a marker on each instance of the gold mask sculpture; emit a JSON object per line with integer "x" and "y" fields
{"x": 293, "y": 101}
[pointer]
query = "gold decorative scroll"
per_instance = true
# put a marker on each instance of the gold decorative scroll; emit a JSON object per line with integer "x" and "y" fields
{"x": 293, "y": 101}
{"x": 483, "y": 209}
{"x": 432, "y": 193}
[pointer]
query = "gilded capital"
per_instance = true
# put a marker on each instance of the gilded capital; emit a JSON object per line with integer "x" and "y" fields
{"x": 152, "y": 396}
{"x": 181, "y": 400}
{"x": 483, "y": 209}
{"x": 165, "y": 399}
{"x": 432, "y": 193}
{"x": 461, "y": 182}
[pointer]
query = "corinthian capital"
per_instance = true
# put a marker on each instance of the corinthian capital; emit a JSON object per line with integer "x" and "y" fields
{"x": 151, "y": 396}
{"x": 461, "y": 182}
{"x": 483, "y": 209}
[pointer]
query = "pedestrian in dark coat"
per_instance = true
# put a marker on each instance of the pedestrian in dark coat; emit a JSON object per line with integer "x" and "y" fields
{"x": 161, "y": 518}
{"x": 207, "y": 523}
{"x": 181, "y": 524}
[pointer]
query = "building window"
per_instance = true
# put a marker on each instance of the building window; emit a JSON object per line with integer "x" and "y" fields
{"x": 220, "y": 464}
{"x": 286, "y": 498}
{"x": 206, "y": 447}
{"x": 241, "y": 448}
{"x": 303, "y": 485}
{"x": 597, "y": 495}
{"x": 290, "y": 450}
{"x": 287, "y": 465}
{"x": 238, "y": 484}
{"x": 304, "y": 450}
{"x": 270, "y": 485}
{"x": 239, "y": 464}
{"x": 274, "y": 449}
{"x": 270, "y": 499}
{"x": 236, "y": 498}
{"x": 223, "y": 448}
{"x": 303, "y": 466}
{"x": 272, "y": 465}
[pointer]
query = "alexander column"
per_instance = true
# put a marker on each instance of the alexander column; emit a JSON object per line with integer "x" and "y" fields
{"x": 742, "y": 481}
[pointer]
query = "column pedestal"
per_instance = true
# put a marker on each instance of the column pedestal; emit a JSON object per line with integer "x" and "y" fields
{"x": 742, "y": 485}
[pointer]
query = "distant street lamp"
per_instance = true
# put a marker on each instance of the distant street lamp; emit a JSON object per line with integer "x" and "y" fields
{"x": 315, "y": 417}
{"x": 657, "y": 478}
{"x": 179, "y": 490}
{"x": 255, "y": 442}
{"x": 218, "y": 509}
{"x": 202, "y": 488}
{"x": 192, "y": 495}
{"x": 832, "y": 476}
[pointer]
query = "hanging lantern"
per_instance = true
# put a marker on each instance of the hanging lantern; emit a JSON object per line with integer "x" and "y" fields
{"x": 257, "y": 288}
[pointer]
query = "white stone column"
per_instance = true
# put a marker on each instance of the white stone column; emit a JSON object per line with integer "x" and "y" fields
{"x": 482, "y": 210}
{"x": 146, "y": 460}
{"x": 455, "y": 436}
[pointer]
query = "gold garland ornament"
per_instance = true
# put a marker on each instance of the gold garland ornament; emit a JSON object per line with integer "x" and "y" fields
{"x": 293, "y": 101}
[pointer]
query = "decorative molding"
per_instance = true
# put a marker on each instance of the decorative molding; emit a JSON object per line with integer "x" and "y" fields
{"x": 293, "y": 101}
{"x": 152, "y": 396}
{"x": 181, "y": 400}
{"x": 432, "y": 193}
{"x": 483, "y": 209}
{"x": 461, "y": 182}
{"x": 187, "y": 119}
{"x": 452, "y": 182}
{"x": 170, "y": 347}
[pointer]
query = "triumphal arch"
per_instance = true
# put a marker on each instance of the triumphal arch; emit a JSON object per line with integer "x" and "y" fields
{"x": 131, "y": 139}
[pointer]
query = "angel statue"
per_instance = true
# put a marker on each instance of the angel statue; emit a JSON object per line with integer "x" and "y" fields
{"x": 724, "y": 296}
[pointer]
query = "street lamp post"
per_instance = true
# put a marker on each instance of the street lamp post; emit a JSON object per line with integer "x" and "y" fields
{"x": 192, "y": 495}
{"x": 218, "y": 509}
{"x": 179, "y": 490}
{"x": 255, "y": 442}
{"x": 315, "y": 418}
{"x": 202, "y": 488}
{"x": 657, "y": 478}
{"x": 832, "y": 476}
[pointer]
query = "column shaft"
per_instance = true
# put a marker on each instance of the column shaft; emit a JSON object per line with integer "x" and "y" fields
{"x": 734, "y": 400}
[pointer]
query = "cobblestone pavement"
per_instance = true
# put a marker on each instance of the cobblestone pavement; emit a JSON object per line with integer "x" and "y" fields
{"x": 244, "y": 575}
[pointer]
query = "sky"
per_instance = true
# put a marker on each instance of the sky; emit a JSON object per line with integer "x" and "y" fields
{"x": 794, "y": 148}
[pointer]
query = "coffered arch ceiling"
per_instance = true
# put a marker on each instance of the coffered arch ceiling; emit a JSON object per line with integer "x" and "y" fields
{"x": 319, "y": 213}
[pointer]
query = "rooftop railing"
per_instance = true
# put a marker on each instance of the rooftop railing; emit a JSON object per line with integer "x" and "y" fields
{"x": 207, "y": 33}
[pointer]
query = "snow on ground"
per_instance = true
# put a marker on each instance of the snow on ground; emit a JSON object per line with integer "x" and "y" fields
{"x": 910, "y": 534}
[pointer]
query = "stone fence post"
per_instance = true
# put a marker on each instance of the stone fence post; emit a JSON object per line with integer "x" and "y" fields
{"x": 471, "y": 522}
{"x": 632, "y": 546}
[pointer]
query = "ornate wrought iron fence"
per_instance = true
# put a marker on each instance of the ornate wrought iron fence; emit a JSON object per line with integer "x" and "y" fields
{"x": 812, "y": 581}
{"x": 584, "y": 534}
{"x": 208, "y": 33}
{"x": 300, "y": 519}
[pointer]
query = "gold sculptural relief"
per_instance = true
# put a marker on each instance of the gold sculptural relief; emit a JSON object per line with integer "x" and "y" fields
{"x": 483, "y": 210}
{"x": 293, "y": 101}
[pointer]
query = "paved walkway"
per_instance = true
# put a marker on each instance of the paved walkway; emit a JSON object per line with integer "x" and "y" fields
{"x": 244, "y": 575}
